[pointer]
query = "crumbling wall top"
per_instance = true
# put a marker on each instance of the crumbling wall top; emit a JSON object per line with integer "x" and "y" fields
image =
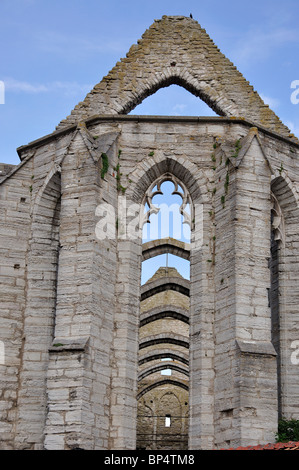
{"x": 177, "y": 50}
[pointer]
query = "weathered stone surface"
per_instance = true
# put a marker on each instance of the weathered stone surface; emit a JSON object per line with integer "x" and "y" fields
{"x": 79, "y": 350}
{"x": 190, "y": 63}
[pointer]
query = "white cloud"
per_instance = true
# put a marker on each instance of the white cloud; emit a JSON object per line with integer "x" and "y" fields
{"x": 258, "y": 45}
{"x": 67, "y": 88}
{"x": 178, "y": 109}
{"x": 294, "y": 127}
{"x": 272, "y": 102}
{"x": 72, "y": 46}
{"x": 25, "y": 87}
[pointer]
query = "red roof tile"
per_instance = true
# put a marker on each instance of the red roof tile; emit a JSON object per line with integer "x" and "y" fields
{"x": 278, "y": 446}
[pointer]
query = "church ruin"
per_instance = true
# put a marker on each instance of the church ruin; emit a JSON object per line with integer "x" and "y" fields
{"x": 83, "y": 343}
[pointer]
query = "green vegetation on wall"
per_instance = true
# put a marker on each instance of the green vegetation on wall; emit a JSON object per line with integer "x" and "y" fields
{"x": 288, "y": 430}
{"x": 105, "y": 165}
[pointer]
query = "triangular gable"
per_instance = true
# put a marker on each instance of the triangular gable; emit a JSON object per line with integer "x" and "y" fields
{"x": 97, "y": 145}
{"x": 176, "y": 50}
{"x": 238, "y": 153}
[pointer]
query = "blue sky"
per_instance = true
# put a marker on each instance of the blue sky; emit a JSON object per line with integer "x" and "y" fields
{"x": 54, "y": 52}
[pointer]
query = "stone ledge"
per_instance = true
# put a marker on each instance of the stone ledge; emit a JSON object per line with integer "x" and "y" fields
{"x": 72, "y": 344}
{"x": 256, "y": 347}
{"x": 96, "y": 119}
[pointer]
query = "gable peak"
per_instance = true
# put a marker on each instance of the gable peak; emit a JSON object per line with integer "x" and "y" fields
{"x": 176, "y": 50}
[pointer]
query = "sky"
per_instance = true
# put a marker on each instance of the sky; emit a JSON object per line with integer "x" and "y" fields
{"x": 53, "y": 52}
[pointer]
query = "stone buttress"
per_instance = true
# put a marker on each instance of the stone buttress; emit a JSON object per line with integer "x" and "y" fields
{"x": 72, "y": 354}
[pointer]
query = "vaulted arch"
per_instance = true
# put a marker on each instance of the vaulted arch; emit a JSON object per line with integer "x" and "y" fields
{"x": 165, "y": 245}
{"x": 159, "y": 383}
{"x": 156, "y": 368}
{"x": 163, "y": 354}
{"x": 163, "y": 311}
{"x": 164, "y": 338}
{"x": 159, "y": 285}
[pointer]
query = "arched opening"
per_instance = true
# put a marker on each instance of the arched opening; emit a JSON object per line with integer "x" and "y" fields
{"x": 163, "y": 370}
{"x": 40, "y": 311}
{"x": 283, "y": 295}
{"x": 210, "y": 105}
{"x": 46, "y": 245}
{"x": 173, "y": 100}
{"x": 277, "y": 236}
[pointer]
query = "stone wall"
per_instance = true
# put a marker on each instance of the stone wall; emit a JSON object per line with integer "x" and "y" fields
{"x": 71, "y": 255}
{"x": 176, "y": 50}
{"x": 71, "y": 356}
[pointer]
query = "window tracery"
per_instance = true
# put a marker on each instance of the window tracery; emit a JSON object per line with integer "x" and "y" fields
{"x": 186, "y": 208}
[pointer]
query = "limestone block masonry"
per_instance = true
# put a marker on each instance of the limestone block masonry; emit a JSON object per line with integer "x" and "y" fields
{"x": 71, "y": 294}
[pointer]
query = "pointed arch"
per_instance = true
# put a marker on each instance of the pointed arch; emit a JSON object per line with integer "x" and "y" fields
{"x": 159, "y": 383}
{"x": 167, "y": 365}
{"x": 165, "y": 245}
{"x": 165, "y": 55}
{"x": 167, "y": 283}
{"x": 53, "y": 175}
{"x": 163, "y": 354}
{"x": 145, "y": 425}
{"x": 39, "y": 318}
{"x": 153, "y": 167}
{"x": 165, "y": 338}
{"x": 163, "y": 311}
{"x": 146, "y": 182}
{"x": 178, "y": 77}
{"x": 284, "y": 296}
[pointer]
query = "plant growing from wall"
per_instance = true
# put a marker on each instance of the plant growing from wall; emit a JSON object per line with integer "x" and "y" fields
{"x": 31, "y": 187}
{"x": 236, "y": 150}
{"x": 213, "y": 157}
{"x": 119, "y": 174}
{"x": 226, "y": 183}
{"x": 105, "y": 165}
{"x": 235, "y": 153}
{"x": 288, "y": 430}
